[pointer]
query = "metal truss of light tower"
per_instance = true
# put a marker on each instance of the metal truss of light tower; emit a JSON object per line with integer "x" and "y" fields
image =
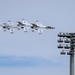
{"x": 68, "y": 47}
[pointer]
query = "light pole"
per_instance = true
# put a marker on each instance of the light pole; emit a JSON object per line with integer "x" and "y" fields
{"x": 69, "y": 40}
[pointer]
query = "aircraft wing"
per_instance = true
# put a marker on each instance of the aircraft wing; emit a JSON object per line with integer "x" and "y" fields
{"x": 23, "y": 25}
{"x": 20, "y": 24}
{"x": 34, "y": 26}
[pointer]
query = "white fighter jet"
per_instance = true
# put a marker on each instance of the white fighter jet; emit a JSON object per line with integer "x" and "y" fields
{"x": 23, "y": 25}
{"x": 8, "y": 26}
{"x": 40, "y": 27}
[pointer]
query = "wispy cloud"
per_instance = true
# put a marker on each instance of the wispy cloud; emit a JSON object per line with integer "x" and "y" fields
{"x": 15, "y": 61}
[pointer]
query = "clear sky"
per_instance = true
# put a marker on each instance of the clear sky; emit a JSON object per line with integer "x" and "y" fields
{"x": 30, "y": 53}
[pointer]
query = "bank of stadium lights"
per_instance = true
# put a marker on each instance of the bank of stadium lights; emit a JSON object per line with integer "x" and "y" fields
{"x": 67, "y": 44}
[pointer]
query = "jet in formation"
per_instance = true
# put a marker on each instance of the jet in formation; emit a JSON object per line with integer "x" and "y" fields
{"x": 40, "y": 27}
{"x": 25, "y": 26}
{"x": 8, "y": 26}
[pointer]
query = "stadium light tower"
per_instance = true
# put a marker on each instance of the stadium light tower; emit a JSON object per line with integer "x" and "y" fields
{"x": 68, "y": 46}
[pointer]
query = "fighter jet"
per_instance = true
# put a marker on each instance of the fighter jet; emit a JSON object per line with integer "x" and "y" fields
{"x": 23, "y": 25}
{"x": 8, "y": 26}
{"x": 40, "y": 27}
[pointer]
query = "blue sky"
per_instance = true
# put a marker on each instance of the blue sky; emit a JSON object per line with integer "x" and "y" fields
{"x": 30, "y": 53}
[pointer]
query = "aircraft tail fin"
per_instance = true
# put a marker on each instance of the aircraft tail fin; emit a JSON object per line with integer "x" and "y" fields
{"x": 25, "y": 22}
{"x": 10, "y": 23}
{"x": 39, "y": 23}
